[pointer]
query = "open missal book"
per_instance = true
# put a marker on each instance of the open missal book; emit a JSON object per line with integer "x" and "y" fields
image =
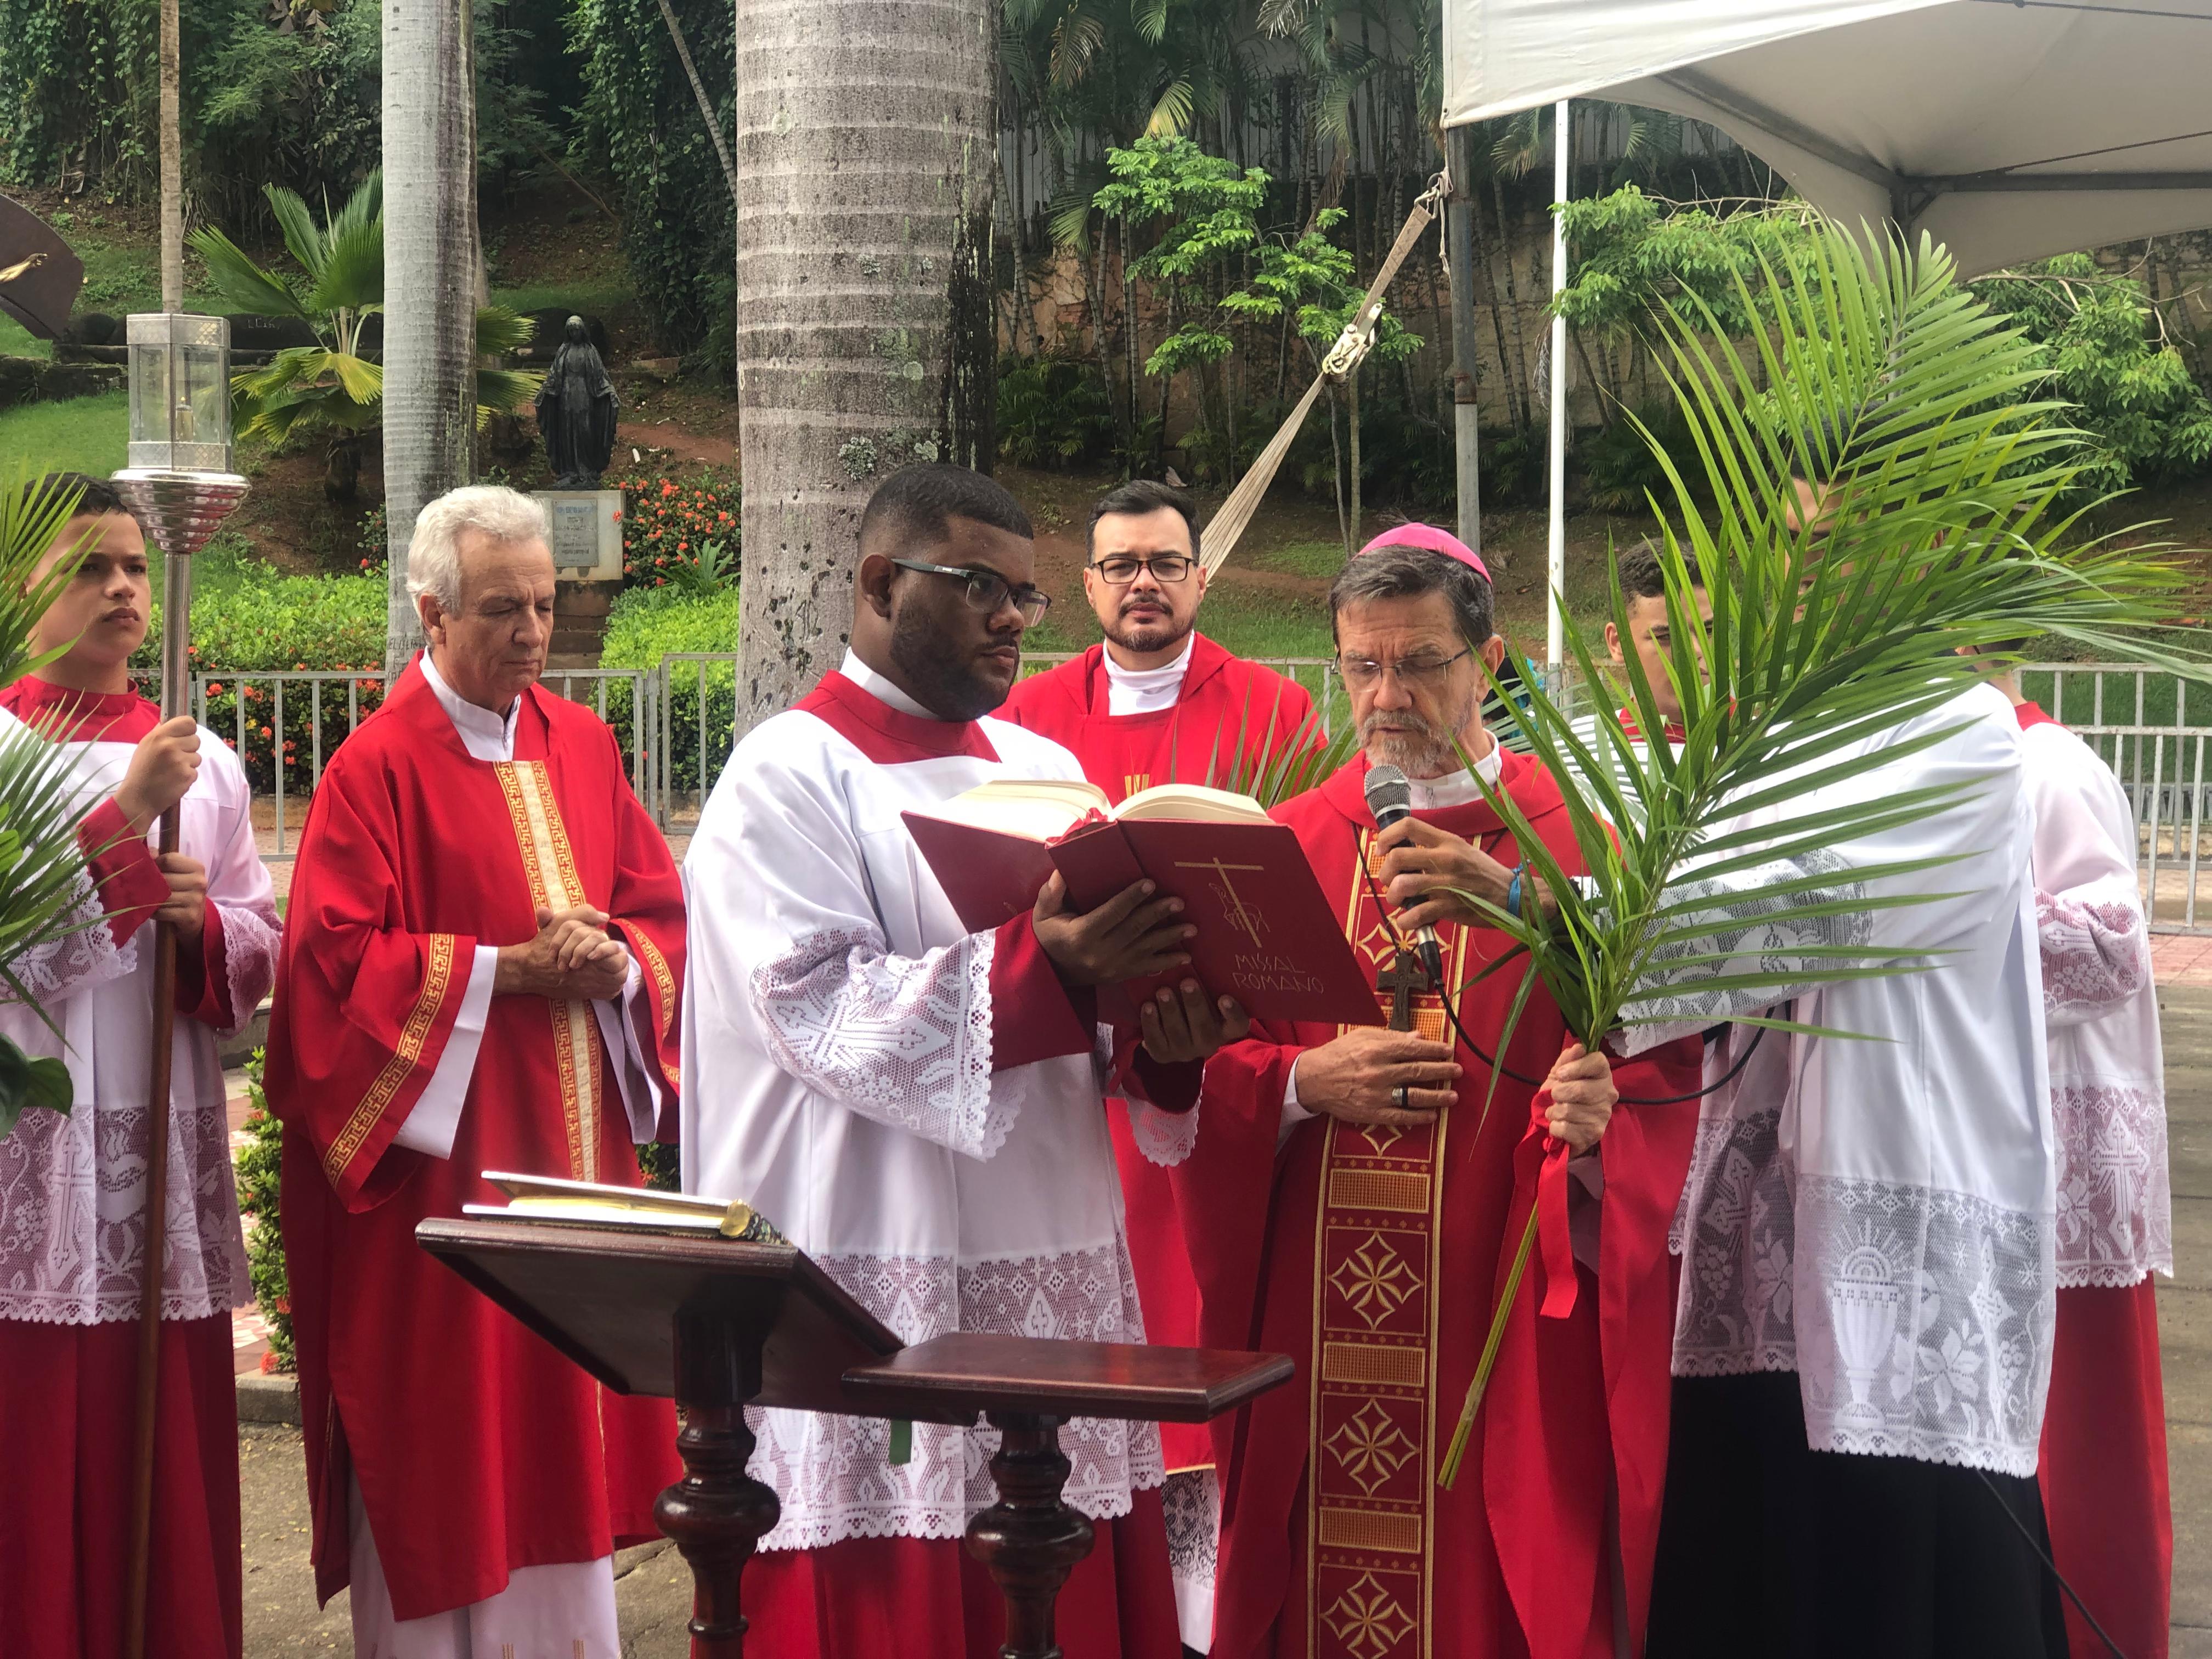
{"x": 590, "y": 1204}
{"x": 1266, "y": 935}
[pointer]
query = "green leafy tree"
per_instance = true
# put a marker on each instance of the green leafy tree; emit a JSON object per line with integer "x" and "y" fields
{"x": 1307, "y": 283}
{"x": 1202, "y": 211}
{"x": 333, "y": 385}
{"x": 2135, "y": 393}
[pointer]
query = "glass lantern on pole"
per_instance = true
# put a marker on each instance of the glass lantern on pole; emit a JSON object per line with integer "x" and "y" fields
{"x": 179, "y": 483}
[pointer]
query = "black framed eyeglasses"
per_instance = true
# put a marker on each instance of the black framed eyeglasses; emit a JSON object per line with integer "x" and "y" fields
{"x": 987, "y": 590}
{"x": 1119, "y": 569}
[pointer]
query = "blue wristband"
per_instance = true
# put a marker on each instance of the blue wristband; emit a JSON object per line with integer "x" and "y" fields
{"x": 1513, "y": 891}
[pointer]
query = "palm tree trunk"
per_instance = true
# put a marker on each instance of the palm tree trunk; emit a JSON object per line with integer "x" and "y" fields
{"x": 867, "y": 163}
{"x": 173, "y": 163}
{"x": 430, "y": 270}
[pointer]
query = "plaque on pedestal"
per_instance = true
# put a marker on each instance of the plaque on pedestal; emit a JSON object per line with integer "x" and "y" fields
{"x": 587, "y": 545}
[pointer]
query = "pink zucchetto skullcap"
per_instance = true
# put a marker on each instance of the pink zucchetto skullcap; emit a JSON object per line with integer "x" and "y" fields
{"x": 1434, "y": 540}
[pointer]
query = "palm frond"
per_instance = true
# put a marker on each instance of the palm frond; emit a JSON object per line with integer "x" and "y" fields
{"x": 243, "y": 284}
{"x": 500, "y": 331}
{"x": 1942, "y": 527}
{"x": 352, "y": 274}
{"x": 502, "y": 391}
{"x": 302, "y": 235}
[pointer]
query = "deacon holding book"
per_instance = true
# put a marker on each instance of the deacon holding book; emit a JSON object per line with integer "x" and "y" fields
{"x": 73, "y": 1186}
{"x": 2103, "y": 1469}
{"x": 919, "y": 1105}
{"x": 1156, "y": 701}
{"x": 1374, "y": 1247}
{"x": 483, "y": 966}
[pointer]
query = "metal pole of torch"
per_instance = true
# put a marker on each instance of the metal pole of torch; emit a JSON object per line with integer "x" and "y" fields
{"x": 181, "y": 487}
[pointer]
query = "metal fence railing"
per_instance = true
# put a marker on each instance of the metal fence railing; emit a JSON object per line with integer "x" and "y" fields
{"x": 677, "y": 725}
{"x": 285, "y": 724}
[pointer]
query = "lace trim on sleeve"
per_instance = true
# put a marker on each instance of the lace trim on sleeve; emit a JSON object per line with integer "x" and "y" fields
{"x": 250, "y": 938}
{"x": 2115, "y": 1208}
{"x": 905, "y": 1041}
{"x": 2095, "y": 954}
{"x": 85, "y": 957}
{"x": 1165, "y": 1137}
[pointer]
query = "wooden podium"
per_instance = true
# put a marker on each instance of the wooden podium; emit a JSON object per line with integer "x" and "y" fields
{"x": 719, "y": 1325}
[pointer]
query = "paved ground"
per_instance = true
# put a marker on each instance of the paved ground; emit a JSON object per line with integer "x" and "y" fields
{"x": 281, "y": 1618}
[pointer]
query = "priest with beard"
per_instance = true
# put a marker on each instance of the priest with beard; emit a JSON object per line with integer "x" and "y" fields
{"x": 1374, "y": 1244}
{"x": 919, "y": 1107}
{"x": 1157, "y": 701}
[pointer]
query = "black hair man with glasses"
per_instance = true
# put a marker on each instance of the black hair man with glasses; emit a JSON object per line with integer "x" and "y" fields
{"x": 1356, "y": 1195}
{"x": 919, "y": 1106}
{"x": 1156, "y": 701}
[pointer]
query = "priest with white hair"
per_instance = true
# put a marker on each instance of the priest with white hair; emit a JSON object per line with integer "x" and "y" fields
{"x": 483, "y": 958}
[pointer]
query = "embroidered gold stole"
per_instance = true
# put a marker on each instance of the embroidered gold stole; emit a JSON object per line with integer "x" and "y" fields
{"x": 550, "y": 866}
{"x": 1371, "y": 1490}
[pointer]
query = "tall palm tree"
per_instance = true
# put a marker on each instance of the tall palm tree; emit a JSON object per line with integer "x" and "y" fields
{"x": 867, "y": 161}
{"x": 430, "y": 277}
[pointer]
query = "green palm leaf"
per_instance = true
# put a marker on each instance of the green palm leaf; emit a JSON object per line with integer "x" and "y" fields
{"x": 243, "y": 284}
{"x": 42, "y": 868}
{"x": 1948, "y": 467}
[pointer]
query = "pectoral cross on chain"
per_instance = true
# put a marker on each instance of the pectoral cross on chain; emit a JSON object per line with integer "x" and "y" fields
{"x": 1404, "y": 980}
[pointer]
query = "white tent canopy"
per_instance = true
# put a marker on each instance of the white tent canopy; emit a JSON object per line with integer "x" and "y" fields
{"x": 2008, "y": 130}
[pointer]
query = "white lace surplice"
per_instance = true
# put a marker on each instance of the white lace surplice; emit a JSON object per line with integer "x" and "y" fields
{"x": 2107, "y": 1068}
{"x": 1877, "y": 1216}
{"x": 72, "y": 1189}
{"x": 837, "y": 1054}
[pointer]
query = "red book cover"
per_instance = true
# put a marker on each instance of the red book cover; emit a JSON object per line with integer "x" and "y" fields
{"x": 1266, "y": 935}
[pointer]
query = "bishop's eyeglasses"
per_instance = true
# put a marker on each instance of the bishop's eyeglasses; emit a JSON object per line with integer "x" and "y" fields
{"x": 987, "y": 590}
{"x": 1414, "y": 673}
{"x": 1119, "y": 569}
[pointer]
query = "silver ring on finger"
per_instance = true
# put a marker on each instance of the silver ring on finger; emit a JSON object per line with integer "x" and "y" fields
{"x": 1399, "y": 1093}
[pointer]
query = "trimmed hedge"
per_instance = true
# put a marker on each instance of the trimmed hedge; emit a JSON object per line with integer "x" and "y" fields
{"x": 645, "y": 625}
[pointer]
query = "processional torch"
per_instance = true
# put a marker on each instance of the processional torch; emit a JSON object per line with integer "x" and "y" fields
{"x": 181, "y": 487}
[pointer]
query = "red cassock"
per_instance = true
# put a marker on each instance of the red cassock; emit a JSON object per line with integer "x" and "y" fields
{"x": 69, "y": 1388}
{"x": 477, "y": 1448}
{"x": 1231, "y": 713}
{"x": 1375, "y": 1258}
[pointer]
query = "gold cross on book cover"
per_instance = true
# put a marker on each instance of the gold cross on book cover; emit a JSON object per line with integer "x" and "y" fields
{"x": 592, "y": 1203}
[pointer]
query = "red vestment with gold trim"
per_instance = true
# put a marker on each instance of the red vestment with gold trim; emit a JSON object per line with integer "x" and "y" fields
{"x": 1375, "y": 1258}
{"x": 477, "y": 1448}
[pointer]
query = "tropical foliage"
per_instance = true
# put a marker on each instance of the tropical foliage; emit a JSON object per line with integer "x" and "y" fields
{"x": 1945, "y": 526}
{"x": 335, "y": 385}
{"x": 41, "y": 866}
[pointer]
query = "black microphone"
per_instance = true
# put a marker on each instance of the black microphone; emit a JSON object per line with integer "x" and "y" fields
{"x": 1390, "y": 799}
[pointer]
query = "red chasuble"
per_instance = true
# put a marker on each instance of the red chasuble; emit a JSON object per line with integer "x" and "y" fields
{"x": 1375, "y": 1258}
{"x": 479, "y": 1448}
{"x": 1232, "y": 712}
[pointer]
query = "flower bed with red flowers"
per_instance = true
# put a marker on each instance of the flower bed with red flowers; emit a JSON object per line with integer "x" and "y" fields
{"x": 679, "y": 530}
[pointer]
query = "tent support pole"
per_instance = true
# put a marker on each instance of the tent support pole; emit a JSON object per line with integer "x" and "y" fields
{"x": 1465, "y": 413}
{"x": 1556, "y": 580}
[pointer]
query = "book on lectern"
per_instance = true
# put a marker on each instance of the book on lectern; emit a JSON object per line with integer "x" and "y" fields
{"x": 1265, "y": 936}
{"x": 594, "y": 1204}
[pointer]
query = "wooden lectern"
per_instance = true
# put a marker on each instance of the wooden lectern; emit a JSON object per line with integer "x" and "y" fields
{"x": 719, "y": 1325}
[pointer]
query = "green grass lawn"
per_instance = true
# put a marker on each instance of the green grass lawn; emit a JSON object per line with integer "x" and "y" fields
{"x": 85, "y": 434}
